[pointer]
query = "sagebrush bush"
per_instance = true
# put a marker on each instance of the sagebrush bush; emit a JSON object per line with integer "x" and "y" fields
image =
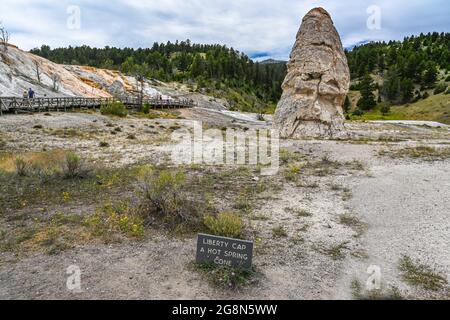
{"x": 116, "y": 109}
{"x": 73, "y": 166}
{"x": 43, "y": 173}
{"x": 164, "y": 196}
{"x": 21, "y": 166}
{"x": 225, "y": 224}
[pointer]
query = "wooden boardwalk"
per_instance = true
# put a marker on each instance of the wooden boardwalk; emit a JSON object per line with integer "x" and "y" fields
{"x": 23, "y": 105}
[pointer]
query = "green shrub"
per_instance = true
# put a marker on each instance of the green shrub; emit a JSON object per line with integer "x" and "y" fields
{"x": 146, "y": 108}
{"x": 385, "y": 108}
{"x": 358, "y": 112}
{"x": 164, "y": 197}
{"x": 21, "y": 166}
{"x": 225, "y": 224}
{"x": 440, "y": 88}
{"x": 227, "y": 277}
{"x": 73, "y": 166}
{"x": 116, "y": 218}
{"x": 116, "y": 109}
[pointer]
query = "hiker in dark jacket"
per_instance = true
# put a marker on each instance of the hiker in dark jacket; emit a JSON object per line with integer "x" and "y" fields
{"x": 31, "y": 94}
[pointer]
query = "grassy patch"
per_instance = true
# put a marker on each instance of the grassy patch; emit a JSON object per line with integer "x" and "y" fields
{"x": 45, "y": 159}
{"x": 279, "y": 232}
{"x": 225, "y": 224}
{"x": 434, "y": 108}
{"x": 46, "y": 183}
{"x": 148, "y": 113}
{"x": 243, "y": 203}
{"x": 335, "y": 252}
{"x": 228, "y": 278}
{"x": 301, "y": 213}
{"x": 114, "y": 109}
{"x": 347, "y": 194}
{"x": 118, "y": 218}
{"x": 67, "y": 133}
{"x": 419, "y": 152}
{"x": 324, "y": 167}
{"x": 358, "y": 293}
{"x": 292, "y": 171}
{"x": 349, "y": 220}
{"x": 421, "y": 275}
{"x": 260, "y": 217}
{"x": 52, "y": 236}
{"x": 353, "y": 222}
{"x": 287, "y": 157}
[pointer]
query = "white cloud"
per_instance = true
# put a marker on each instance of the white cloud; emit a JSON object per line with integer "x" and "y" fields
{"x": 253, "y": 26}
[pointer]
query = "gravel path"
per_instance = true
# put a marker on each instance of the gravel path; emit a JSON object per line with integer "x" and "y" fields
{"x": 407, "y": 209}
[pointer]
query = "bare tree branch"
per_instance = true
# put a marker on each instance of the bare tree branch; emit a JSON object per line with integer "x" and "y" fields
{"x": 4, "y": 37}
{"x": 37, "y": 68}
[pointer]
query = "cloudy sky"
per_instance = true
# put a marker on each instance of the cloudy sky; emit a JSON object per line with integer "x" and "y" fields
{"x": 260, "y": 28}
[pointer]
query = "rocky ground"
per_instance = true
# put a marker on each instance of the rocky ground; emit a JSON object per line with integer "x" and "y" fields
{"x": 335, "y": 208}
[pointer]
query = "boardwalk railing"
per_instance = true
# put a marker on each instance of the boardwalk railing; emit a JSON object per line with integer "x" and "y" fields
{"x": 14, "y": 104}
{"x": 169, "y": 103}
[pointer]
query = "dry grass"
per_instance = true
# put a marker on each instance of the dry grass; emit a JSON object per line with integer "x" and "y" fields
{"x": 279, "y": 232}
{"x": 336, "y": 252}
{"x": 352, "y": 221}
{"x": 301, "y": 213}
{"x": 421, "y": 275}
{"x": 419, "y": 152}
{"x": 45, "y": 159}
{"x": 391, "y": 293}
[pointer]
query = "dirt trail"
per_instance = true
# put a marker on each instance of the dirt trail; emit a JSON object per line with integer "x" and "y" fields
{"x": 407, "y": 210}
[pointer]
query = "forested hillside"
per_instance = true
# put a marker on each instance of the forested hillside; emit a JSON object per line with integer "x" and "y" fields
{"x": 383, "y": 74}
{"x": 219, "y": 70}
{"x": 400, "y": 72}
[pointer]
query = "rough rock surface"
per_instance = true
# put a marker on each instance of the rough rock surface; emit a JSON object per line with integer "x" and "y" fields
{"x": 317, "y": 82}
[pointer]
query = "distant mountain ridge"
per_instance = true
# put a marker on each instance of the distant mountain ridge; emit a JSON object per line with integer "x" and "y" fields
{"x": 272, "y": 61}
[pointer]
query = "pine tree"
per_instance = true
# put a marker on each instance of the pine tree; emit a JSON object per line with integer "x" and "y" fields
{"x": 430, "y": 76}
{"x": 367, "y": 100}
{"x": 391, "y": 85}
{"x": 406, "y": 89}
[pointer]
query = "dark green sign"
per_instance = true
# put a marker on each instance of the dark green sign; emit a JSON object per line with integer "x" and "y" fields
{"x": 224, "y": 251}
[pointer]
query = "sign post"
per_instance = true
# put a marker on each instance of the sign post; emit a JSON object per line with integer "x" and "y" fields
{"x": 224, "y": 251}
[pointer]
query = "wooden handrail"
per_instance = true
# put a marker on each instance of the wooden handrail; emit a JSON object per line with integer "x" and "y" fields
{"x": 16, "y": 104}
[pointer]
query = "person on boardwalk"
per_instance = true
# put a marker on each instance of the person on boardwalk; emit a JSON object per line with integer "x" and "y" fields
{"x": 30, "y": 94}
{"x": 25, "y": 94}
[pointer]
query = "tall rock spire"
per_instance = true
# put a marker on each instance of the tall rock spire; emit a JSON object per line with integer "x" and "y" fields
{"x": 317, "y": 82}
